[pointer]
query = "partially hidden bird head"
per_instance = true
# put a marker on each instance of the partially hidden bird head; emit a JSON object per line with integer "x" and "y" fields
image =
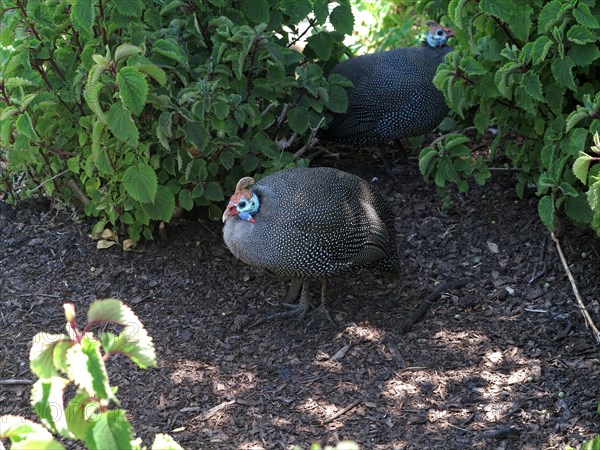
{"x": 438, "y": 35}
{"x": 243, "y": 203}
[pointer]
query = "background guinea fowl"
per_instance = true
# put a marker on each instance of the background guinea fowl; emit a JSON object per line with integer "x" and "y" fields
{"x": 308, "y": 224}
{"x": 393, "y": 95}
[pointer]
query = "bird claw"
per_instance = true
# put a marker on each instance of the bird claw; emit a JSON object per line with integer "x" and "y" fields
{"x": 298, "y": 311}
{"x": 321, "y": 312}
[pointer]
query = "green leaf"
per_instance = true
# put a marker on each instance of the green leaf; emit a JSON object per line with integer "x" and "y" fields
{"x": 47, "y": 401}
{"x": 196, "y": 134}
{"x": 126, "y": 50}
{"x": 41, "y": 354}
{"x": 338, "y": 99}
{"x": 25, "y": 127}
{"x": 562, "y": 69}
{"x": 92, "y": 94}
{"x": 593, "y": 195}
{"x": 129, "y": 8}
{"x": 16, "y": 82}
{"x": 82, "y": 16}
{"x": 121, "y": 124}
{"x": 133, "y": 89}
{"x": 163, "y": 205}
{"x": 584, "y": 55}
{"x": 549, "y": 15}
{"x": 584, "y": 16}
{"x": 8, "y": 112}
{"x": 141, "y": 183}
{"x": 86, "y": 368}
{"x": 298, "y": 119}
{"x": 154, "y": 72}
{"x": 169, "y": 49}
{"x": 134, "y": 340}
{"x": 540, "y": 49}
{"x": 322, "y": 44}
{"x": 80, "y": 414}
{"x": 532, "y": 85}
{"x": 297, "y": 10}
{"x": 257, "y": 11}
{"x": 227, "y": 159}
{"x": 426, "y": 157}
{"x": 581, "y": 167}
{"x": 578, "y": 209}
{"x": 165, "y": 442}
{"x": 185, "y": 199}
{"x": 580, "y": 35}
{"x": 26, "y": 434}
{"x": 546, "y": 211}
{"x": 321, "y": 10}
{"x": 212, "y": 191}
{"x": 111, "y": 431}
{"x": 342, "y": 19}
{"x": 481, "y": 121}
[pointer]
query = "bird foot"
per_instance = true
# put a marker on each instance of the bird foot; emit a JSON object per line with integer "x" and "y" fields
{"x": 321, "y": 313}
{"x": 298, "y": 311}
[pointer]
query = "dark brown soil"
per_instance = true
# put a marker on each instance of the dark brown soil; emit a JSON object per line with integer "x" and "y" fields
{"x": 503, "y": 363}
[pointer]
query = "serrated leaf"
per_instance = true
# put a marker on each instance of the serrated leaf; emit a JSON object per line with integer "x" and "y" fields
{"x": 25, "y": 127}
{"x": 126, "y": 50}
{"x": 581, "y": 35}
{"x": 47, "y": 401}
{"x": 593, "y": 196}
{"x": 154, "y": 72}
{"x": 546, "y": 211}
{"x": 321, "y": 10}
{"x": 227, "y": 159}
{"x": 532, "y": 85}
{"x": 342, "y": 19}
{"x": 196, "y": 134}
{"x": 133, "y": 89}
{"x": 129, "y": 8}
{"x": 425, "y": 158}
{"x": 584, "y": 55}
{"x": 297, "y": 10}
{"x": 141, "y": 183}
{"x": 163, "y": 205}
{"x": 16, "y": 82}
{"x": 26, "y": 434}
{"x": 338, "y": 99}
{"x": 562, "y": 69}
{"x": 549, "y": 15}
{"x": 121, "y": 124}
{"x": 82, "y": 15}
{"x": 213, "y": 192}
{"x": 8, "y": 112}
{"x": 578, "y": 209}
{"x": 41, "y": 354}
{"x": 584, "y": 16}
{"x": 322, "y": 44}
{"x": 169, "y": 49}
{"x": 185, "y": 199}
{"x": 298, "y": 119}
{"x": 257, "y": 11}
{"x": 111, "y": 431}
{"x": 581, "y": 167}
{"x": 91, "y": 95}
{"x": 134, "y": 340}
{"x": 86, "y": 368}
{"x": 80, "y": 414}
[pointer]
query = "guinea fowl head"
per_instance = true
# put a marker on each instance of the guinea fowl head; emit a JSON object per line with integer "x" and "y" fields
{"x": 438, "y": 35}
{"x": 243, "y": 203}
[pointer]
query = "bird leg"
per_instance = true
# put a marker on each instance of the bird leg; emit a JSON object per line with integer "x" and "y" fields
{"x": 293, "y": 291}
{"x": 321, "y": 311}
{"x": 296, "y": 310}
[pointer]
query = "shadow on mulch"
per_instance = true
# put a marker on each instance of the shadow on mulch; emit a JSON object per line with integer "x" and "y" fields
{"x": 504, "y": 363}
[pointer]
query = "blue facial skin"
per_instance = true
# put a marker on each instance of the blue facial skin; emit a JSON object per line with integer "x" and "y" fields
{"x": 246, "y": 209}
{"x": 438, "y": 39}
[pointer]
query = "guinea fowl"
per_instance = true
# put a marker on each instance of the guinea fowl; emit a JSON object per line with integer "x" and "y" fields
{"x": 393, "y": 95}
{"x": 310, "y": 223}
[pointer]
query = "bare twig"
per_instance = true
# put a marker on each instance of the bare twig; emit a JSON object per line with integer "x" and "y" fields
{"x": 343, "y": 411}
{"x": 212, "y": 411}
{"x": 78, "y": 193}
{"x": 586, "y": 315}
{"x": 49, "y": 179}
{"x": 15, "y": 382}
{"x": 310, "y": 142}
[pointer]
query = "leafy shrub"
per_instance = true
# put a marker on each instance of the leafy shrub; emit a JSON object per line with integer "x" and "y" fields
{"x": 137, "y": 106}
{"x": 81, "y": 357}
{"x": 527, "y": 70}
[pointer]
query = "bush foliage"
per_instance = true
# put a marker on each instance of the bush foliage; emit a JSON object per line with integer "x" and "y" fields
{"x": 529, "y": 71}
{"x": 135, "y": 107}
{"x": 79, "y": 358}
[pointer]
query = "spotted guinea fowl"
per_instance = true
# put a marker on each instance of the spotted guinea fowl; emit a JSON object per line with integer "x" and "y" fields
{"x": 310, "y": 223}
{"x": 393, "y": 95}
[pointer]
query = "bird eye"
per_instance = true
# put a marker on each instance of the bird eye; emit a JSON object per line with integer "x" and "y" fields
{"x": 439, "y": 33}
{"x": 242, "y": 204}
